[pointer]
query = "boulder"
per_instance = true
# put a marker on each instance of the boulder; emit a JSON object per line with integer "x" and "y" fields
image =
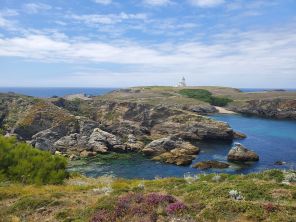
{"x": 159, "y": 146}
{"x": 133, "y": 144}
{"x": 171, "y": 150}
{"x": 102, "y": 141}
{"x": 175, "y": 158}
{"x": 240, "y": 153}
{"x": 210, "y": 164}
{"x": 86, "y": 153}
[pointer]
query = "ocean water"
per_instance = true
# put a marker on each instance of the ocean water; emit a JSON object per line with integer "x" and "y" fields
{"x": 273, "y": 140}
{"x": 55, "y": 91}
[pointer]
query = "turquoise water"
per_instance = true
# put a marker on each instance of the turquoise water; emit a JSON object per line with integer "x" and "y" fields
{"x": 273, "y": 140}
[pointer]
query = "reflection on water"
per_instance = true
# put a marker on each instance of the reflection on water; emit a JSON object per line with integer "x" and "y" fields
{"x": 273, "y": 140}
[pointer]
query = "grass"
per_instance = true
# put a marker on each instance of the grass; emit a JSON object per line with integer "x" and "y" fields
{"x": 205, "y": 96}
{"x": 201, "y": 199}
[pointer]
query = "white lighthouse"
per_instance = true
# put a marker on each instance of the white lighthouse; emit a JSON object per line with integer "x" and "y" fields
{"x": 182, "y": 83}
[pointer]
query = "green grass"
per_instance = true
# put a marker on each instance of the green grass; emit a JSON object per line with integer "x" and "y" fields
{"x": 205, "y": 96}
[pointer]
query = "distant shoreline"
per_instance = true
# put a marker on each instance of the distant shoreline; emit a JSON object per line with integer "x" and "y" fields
{"x": 47, "y": 92}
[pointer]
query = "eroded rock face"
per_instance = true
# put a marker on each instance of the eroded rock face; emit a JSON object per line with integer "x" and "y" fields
{"x": 104, "y": 141}
{"x": 171, "y": 150}
{"x": 104, "y": 126}
{"x": 210, "y": 164}
{"x": 239, "y": 153}
{"x": 271, "y": 108}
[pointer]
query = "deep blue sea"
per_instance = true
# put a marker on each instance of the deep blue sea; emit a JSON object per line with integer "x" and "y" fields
{"x": 55, "y": 91}
{"x": 273, "y": 140}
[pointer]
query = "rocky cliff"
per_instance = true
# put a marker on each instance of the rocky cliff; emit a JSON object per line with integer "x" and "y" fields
{"x": 86, "y": 128}
{"x": 271, "y": 108}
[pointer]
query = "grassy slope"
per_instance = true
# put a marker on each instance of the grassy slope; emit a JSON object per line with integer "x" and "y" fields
{"x": 170, "y": 95}
{"x": 265, "y": 198}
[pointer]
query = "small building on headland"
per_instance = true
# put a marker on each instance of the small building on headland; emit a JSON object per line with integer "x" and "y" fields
{"x": 182, "y": 83}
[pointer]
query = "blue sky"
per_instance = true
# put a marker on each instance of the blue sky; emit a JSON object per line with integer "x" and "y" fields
{"x": 116, "y": 43}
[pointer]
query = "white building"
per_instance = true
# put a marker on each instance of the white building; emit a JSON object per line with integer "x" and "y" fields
{"x": 182, "y": 83}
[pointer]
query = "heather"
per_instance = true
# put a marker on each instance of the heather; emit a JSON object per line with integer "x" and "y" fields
{"x": 265, "y": 196}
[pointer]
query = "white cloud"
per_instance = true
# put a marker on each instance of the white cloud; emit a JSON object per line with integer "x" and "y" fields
{"x": 7, "y": 23}
{"x": 93, "y": 19}
{"x": 258, "y": 51}
{"x": 157, "y": 2}
{"x": 33, "y": 8}
{"x": 103, "y": 2}
{"x": 206, "y": 3}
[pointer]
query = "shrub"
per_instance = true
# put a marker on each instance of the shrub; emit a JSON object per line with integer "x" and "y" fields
{"x": 140, "y": 207}
{"x": 205, "y": 96}
{"x": 20, "y": 162}
{"x": 174, "y": 208}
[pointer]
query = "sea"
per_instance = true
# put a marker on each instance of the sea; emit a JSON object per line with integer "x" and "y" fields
{"x": 47, "y": 92}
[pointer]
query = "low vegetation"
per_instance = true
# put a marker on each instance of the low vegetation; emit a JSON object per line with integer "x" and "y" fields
{"x": 205, "y": 96}
{"x": 20, "y": 162}
{"x": 210, "y": 197}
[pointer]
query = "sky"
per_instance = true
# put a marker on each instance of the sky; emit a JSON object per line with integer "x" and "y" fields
{"x": 122, "y": 43}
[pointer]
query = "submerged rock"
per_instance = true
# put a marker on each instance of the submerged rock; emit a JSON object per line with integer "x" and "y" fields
{"x": 210, "y": 164}
{"x": 241, "y": 154}
{"x": 239, "y": 135}
{"x": 279, "y": 163}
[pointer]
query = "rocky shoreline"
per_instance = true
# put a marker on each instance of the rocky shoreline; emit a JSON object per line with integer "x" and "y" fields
{"x": 124, "y": 121}
{"x": 164, "y": 133}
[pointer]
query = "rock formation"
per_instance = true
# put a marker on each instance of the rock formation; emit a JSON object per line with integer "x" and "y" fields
{"x": 239, "y": 153}
{"x": 203, "y": 165}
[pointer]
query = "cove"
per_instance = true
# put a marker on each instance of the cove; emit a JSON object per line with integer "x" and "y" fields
{"x": 272, "y": 140}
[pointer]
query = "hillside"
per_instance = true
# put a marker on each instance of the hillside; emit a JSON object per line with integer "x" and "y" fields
{"x": 255, "y": 197}
{"x": 270, "y": 104}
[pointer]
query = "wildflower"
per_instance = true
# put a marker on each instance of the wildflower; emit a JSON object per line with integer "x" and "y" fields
{"x": 289, "y": 177}
{"x": 141, "y": 186}
{"x": 176, "y": 207}
{"x": 104, "y": 190}
{"x": 189, "y": 178}
{"x": 216, "y": 178}
{"x": 236, "y": 195}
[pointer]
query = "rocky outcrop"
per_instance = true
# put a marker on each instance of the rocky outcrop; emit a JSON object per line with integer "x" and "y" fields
{"x": 270, "y": 108}
{"x": 171, "y": 150}
{"x": 42, "y": 116}
{"x": 203, "y": 165}
{"x": 239, "y": 153}
{"x": 87, "y": 128}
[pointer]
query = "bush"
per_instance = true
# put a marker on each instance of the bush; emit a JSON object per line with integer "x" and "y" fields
{"x": 205, "y": 96}
{"x": 20, "y": 162}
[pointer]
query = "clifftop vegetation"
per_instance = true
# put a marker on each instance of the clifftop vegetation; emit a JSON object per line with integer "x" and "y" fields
{"x": 206, "y": 96}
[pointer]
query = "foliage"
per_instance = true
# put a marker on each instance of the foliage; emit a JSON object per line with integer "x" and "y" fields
{"x": 21, "y": 162}
{"x": 192, "y": 198}
{"x": 206, "y": 96}
{"x": 135, "y": 206}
